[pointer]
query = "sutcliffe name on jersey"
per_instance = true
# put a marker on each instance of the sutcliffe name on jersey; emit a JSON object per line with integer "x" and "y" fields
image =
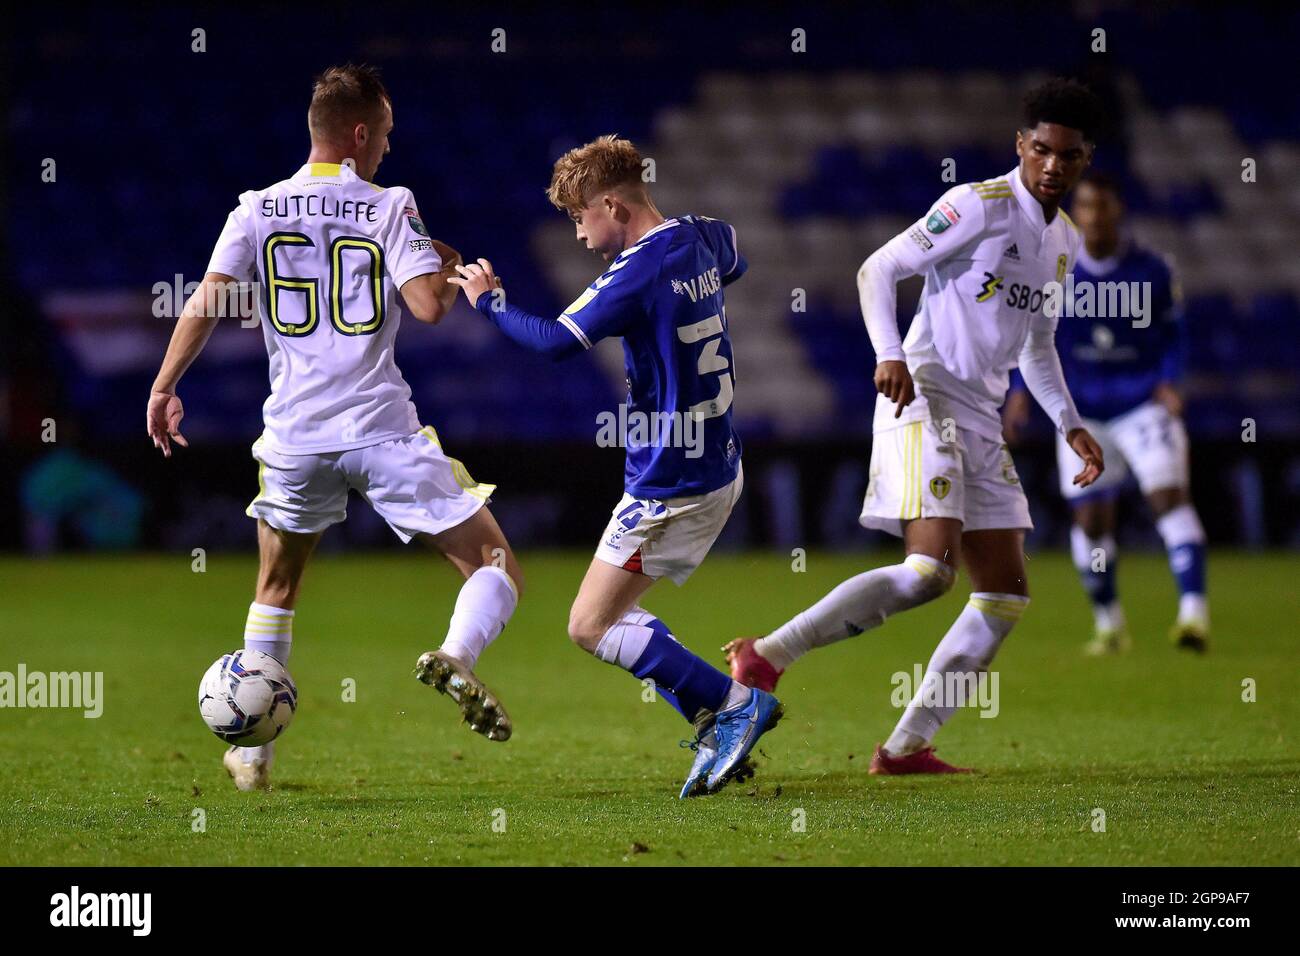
{"x": 311, "y": 205}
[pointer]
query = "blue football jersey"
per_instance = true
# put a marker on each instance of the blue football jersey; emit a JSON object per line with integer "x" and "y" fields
{"x": 1110, "y": 366}
{"x": 663, "y": 295}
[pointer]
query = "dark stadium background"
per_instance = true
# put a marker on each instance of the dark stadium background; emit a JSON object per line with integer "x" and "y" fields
{"x": 153, "y": 143}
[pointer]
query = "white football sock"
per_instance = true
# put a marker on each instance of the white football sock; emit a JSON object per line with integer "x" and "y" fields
{"x": 967, "y": 648}
{"x": 263, "y": 754}
{"x": 625, "y": 642}
{"x": 484, "y": 605}
{"x": 1179, "y": 526}
{"x": 857, "y": 605}
{"x": 738, "y": 695}
{"x": 1193, "y": 607}
{"x": 1083, "y": 547}
{"x": 269, "y": 630}
{"x": 1109, "y": 617}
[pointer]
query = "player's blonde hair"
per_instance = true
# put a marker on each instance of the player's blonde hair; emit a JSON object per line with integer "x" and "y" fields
{"x": 344, "y": 96}
{"x": 607, "y": 162}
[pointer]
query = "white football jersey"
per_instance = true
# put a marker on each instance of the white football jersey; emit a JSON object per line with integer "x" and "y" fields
{"x": 987, "y": 255}
{"x": 330, "y": 252}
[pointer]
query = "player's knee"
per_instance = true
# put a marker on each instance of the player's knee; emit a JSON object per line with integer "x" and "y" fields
{"x": 1092, "y": 522}
{"x": 1165, "y": 500}
{"x": 940, "y": 584}
{"x": 516, "y": 576}
{"x": 931, "y": 578}
{"x": 585, "y": 630}
{"x": 500, "y": 556}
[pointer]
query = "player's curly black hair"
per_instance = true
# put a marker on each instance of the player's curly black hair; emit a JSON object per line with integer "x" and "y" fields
{"x": 1065, "y": 102}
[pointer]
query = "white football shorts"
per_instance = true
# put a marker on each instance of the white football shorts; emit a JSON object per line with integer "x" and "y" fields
{"x": 1148, "y": 441}
{"x": 914, "y": 473}
{"x": 409, "y": 481}
{"x": 667, "y": 538}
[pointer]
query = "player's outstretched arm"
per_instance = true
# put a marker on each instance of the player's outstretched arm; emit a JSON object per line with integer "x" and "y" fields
{"x": 484, "y": 291}
{"x": 1040, "y": 367}
{"x": 430, "y": 297}
{"x": 209, "y": 303}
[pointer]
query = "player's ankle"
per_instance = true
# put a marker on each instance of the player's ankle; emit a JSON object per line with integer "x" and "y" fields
{"x": 903, "y": 743}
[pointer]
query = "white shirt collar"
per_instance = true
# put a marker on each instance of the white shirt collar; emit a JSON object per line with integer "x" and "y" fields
{"x": 326, "y": 171}
{"x": 666, "y": 224}
{"x": 1030, "y": 206}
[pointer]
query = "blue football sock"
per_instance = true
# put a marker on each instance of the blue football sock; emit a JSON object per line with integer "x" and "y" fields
{"x": 691, "y": 683}
{"x": 1096, "y": 560}
{"x": 1187, "y": 562}
{"x": 670, "y": 699}
{"x": 1185, "y": 544}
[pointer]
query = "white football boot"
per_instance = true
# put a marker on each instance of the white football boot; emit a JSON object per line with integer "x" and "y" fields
{"x": 479, "y": 707}
{"x": 250, "y": 766}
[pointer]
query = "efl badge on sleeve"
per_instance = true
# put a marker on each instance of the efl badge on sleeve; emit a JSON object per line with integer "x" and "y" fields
{"x": 413, "y": 218}
{"x": 943, "y": 216}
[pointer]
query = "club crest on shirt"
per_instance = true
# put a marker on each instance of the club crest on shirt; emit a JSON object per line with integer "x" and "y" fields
{"x": 939, "y": 487}
{"x": 413, "y": 219}
{"x": 1061, "y": 262}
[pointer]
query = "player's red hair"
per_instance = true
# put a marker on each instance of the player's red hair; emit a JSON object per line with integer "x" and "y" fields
{"x": 605, "y": 163}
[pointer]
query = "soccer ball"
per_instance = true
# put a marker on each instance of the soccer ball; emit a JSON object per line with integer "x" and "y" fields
{"x": 247, "y": 698}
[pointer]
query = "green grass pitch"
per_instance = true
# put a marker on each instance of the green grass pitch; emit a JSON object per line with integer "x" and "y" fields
{"x": 1185, "y": 771}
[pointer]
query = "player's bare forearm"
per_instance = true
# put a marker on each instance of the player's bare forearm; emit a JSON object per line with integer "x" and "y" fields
{"x": 449, "y": 256}
{"x": 197, "y": 320}
{"x": 443, "y": 290}
{"x": 430, "y": 297}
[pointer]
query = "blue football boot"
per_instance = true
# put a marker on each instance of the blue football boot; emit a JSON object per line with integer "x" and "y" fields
{"x": 705, "y": 746}
{"x": 737, "y": 731}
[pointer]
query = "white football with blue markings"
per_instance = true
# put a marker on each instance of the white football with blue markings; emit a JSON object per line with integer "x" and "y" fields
{"x": 247, "y": 698}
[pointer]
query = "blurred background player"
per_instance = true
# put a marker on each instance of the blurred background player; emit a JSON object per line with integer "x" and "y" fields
{"x": 1123, "y": 371}
{"x": 330, "y": 250}
{"x": 662, "y": 293}
{"x": 940, "y": 474}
